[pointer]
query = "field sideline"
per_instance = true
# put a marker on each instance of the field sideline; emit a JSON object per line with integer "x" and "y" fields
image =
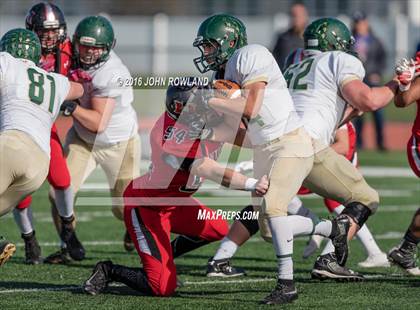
{"x": 53, "y": 287}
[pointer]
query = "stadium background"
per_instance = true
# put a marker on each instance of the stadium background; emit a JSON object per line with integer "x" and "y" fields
{"x": 154, "y": 38}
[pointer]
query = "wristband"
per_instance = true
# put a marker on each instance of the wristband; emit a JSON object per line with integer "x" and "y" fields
{"x": 250, "y": 184}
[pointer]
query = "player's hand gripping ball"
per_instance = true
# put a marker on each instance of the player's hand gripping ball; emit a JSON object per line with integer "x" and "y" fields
{"x": 226, "y": 89}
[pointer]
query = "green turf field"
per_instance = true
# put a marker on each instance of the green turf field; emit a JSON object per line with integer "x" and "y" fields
{"x": 54, "y": 287}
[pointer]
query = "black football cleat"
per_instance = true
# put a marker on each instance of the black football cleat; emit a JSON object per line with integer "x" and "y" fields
{"x": 405, "y": 258}
{"x": 341, "y": 226}
{"x": 99, "y": 279}
{"x": 327, "y": 267}
{"x": 68, "y": 235}
{"x": 128, "y": 243}
{"x": 284, "y": 293}
{"x": 6, "y": 251}
{"x": 222, "y": 268}
{"x": 32, "y": 249}
{"x": 60, "y": 257}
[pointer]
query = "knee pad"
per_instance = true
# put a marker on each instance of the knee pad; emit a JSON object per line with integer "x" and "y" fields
{"x": 250, "y": 224}
{"x": 358, "y": 212}
{"x": 368, "y": 197}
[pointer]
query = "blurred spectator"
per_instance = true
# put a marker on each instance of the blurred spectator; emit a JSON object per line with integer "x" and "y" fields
{"x": 373, "y": 56}
{"x": 293, "y": 37}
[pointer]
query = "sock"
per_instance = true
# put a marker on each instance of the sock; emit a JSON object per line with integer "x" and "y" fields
{"x": 300, "y": 225}
{"x": 323, "y": 228}
{"x": 329, "y": 248}
{"x": 368, "y": 242}
{"x": 226, "y": 249}
{"x": 339, "y": 209}
{"x": 317, "y": 226}
{"x": 296, "y": 207}
{"x": 132, "y": 277}
{"x": 24, "y": 220}
{"x": 365, "y": 237}
{"x": 183, "y": 244}
{"x": 283, "y": 245}
{"x": 64, "y": 200}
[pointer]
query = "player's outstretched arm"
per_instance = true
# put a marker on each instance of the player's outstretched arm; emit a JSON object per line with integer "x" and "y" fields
{"x": 97, "y": 118}
{"x": 212, "y": 170}
{"x": 75, "y": 92}
{"x": 405, "y": 98}
{"x": 367, "y": 99}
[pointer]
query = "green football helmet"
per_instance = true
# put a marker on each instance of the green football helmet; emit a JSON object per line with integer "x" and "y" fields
{"x": 225, "y": 34}
{"x": 94, "y": 31}
{"x": 21, "y": 43}
{"x": 328, "y": 34}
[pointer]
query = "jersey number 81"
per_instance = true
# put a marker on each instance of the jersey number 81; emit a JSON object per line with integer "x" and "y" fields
{"x": 36, "y": 88}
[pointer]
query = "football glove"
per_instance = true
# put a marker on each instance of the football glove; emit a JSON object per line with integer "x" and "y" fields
{"x": 405, "y": 70}
{"x": 68, "y": 107}
{"x": 201, "y": 99}
{"x": 79, "y": 76}
{"x": 197, "y": 130}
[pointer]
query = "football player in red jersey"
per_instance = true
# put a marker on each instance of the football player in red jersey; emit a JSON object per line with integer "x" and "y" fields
{"x": 47, "y": 21}
{"x": 408, "y": 72}
{"x": 159, "y": 203}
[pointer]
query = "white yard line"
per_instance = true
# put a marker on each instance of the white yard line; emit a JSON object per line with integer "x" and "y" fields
{"x": 89, "y": 216}
{"x": 186, "y": 283}
{"x": 392, "y": 235}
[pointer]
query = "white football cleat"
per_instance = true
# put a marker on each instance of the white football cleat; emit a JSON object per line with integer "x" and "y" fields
{"x": 372, "y": 261}
{"x": 313, "y": 245}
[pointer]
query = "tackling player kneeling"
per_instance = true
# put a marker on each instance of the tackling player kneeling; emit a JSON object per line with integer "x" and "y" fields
{"x": 30, "y": 100}
{"x": 160, "y": 203}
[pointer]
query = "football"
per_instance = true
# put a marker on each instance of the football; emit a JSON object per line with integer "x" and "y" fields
{"x": 226, "y": 89}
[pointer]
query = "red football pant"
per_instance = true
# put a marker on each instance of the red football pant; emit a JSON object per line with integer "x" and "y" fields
{"x": 151, "y": 228}
{"x": 58, "y": 175}
{"x": 413, "y": 154}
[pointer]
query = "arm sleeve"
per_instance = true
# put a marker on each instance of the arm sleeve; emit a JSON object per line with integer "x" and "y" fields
{"x": 347, "y": 68}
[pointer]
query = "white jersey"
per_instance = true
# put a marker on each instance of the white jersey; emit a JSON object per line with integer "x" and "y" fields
{"x": 277, "y": 116}
{"x": 106, "y": 82}
{"x": 30, "y": 98}
{"x": 315, "y": 85}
